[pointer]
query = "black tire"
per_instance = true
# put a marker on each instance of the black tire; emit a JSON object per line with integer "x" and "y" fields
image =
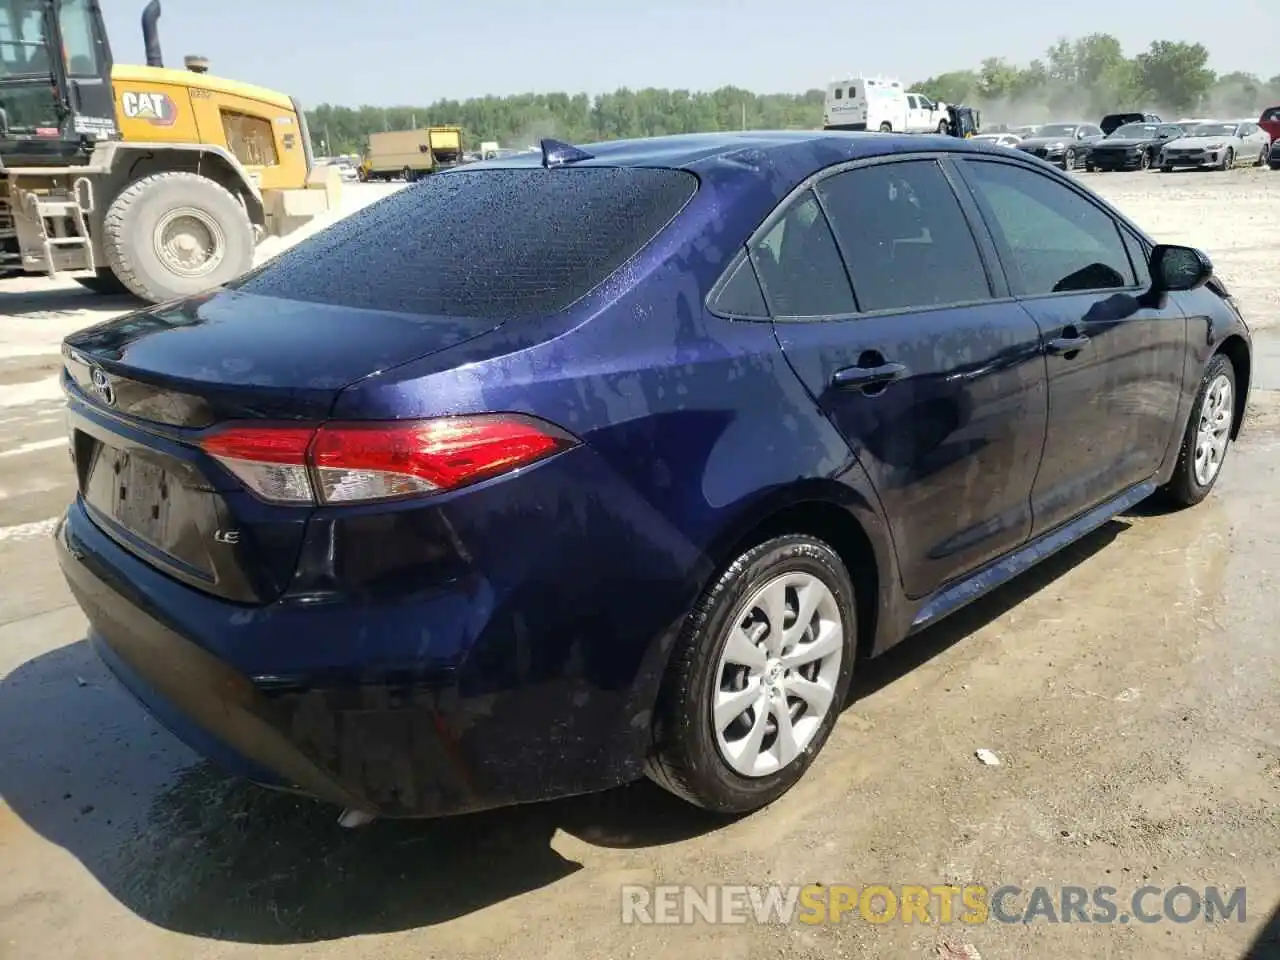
{"x": 1264, "y": 156}
{"x": 944, "y": 128}
{"x": 685, "y": 758}
{"x": 1229, "y": 159}
{"x": 886, "y": 127}
{"x": 1183, "y": 488}
{"x": 1069, "y": 159}
{"x": 134, "y": 216}
{"x": 1144, "y": 161}
{"x": 105, "y": 284}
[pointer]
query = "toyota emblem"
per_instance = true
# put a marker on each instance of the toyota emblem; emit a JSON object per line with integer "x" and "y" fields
{"x": 102, "y": 386}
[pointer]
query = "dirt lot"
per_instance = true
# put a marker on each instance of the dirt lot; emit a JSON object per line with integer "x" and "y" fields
{"x": 1131, "y": 687}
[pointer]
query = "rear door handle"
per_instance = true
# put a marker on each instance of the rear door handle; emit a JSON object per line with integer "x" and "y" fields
{"x": 853, "y": 378}
{"x": 1063, "y": 345}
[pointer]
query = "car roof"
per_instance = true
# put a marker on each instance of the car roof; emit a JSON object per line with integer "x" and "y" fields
{"x": 689, "y": 151}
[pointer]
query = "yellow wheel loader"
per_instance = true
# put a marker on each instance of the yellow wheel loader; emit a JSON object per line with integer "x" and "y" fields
{"x": 141, "y": 178}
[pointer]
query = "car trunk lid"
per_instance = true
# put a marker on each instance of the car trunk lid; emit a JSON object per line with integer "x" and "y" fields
{"x": 144, "y": 389}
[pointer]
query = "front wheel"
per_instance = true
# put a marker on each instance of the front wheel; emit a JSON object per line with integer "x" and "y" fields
{"x": 1264, "y": 157}
{"x": 173, "y": 234}
{"x": 757, "y": 678}
{"x": 1069, "y": 160}
{"x": 1144, "y": 161}
{"x": 1229, "y": 159}
{"x": 886, "y": 127}
{"x": 944, "y": 128}
{"x": 1207, "y": 437}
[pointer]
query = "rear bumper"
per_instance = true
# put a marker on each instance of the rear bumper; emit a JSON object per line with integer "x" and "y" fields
{"x": 505, "y": 723}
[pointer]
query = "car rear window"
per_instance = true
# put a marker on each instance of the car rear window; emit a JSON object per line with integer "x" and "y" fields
{"x": 484, "y": 244}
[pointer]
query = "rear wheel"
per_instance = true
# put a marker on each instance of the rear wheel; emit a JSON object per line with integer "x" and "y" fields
{"x": 1207, "y": 437}
{"x": 886, "y": 127}
{"x": 757, "y": 678}
{"x": 174, "y": 234}
{"x": 943, "y": 127}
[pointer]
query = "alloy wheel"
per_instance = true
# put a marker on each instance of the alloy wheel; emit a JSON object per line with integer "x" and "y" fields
{"x": 1214, "y": 431}
{"x": 776, "y": 677}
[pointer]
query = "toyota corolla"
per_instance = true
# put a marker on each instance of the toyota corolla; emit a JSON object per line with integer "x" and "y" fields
{"x": 557, "y": 470}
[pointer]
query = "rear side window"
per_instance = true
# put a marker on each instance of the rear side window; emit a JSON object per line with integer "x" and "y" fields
{"x": 799, "y": 265}
{"x": 740, "y": 295}
{"x": 904, "y": 236}
{"x": 483, "y": 244}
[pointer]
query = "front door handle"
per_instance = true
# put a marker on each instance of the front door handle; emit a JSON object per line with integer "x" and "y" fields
{"x": 1065, "y": 345}
{"x": 857, "y": 378}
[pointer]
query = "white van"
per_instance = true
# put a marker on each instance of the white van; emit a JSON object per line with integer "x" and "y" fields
{"x": 880, "y": 103}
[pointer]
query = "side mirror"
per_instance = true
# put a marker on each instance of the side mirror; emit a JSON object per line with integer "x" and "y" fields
{"x": 1175, "y": 268}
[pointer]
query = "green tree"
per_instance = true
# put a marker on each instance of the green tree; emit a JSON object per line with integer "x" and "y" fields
{"x": 1084, "y": 78}
{"x": 954, "y": 87}
{"x": 1175, "y": 73}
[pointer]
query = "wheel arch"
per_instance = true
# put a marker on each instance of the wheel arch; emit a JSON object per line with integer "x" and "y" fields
{"x": 128, "y": 163}
{"x": 1236, "y": 350}
{"x": 840, "y": 516}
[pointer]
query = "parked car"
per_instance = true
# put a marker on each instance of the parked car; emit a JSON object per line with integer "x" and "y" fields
{"x": 1114, "y": 121}
{"x": 1219, "y": 144}
{"x": 999, "y": 139}
{"x": 628, "y": 475}
{"x": 1064, "y": 144}
{"x": 1270, "y": 122}
{"x": 1134, "y": 146}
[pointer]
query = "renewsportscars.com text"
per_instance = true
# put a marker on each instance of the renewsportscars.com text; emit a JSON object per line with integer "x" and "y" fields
{"x": 933, "y": 904}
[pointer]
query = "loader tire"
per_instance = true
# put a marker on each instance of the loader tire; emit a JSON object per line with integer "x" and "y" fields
{"x": 171, "y": 235}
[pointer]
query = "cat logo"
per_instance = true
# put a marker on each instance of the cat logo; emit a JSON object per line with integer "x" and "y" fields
{"x": 157, "y": 109}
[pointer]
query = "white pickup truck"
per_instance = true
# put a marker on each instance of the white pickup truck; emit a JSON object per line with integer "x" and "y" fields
{"x": 879, "y": 103}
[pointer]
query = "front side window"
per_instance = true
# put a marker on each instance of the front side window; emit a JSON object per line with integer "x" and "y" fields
{"x": 904, "y": 236}
{"x": 24, "y": 51}
{"x": 799, "y": 265}
{"x": 79, "y": 39}
{"x": 1051, "y": 239}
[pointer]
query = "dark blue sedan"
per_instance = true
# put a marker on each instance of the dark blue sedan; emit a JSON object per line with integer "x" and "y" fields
{"x": 558, "y": 470}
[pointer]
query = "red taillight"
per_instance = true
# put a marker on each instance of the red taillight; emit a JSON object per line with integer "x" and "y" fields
{"x": 360, "y": 462}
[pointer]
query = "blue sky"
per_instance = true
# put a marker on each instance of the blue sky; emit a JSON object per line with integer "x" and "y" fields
{"x": 416, "y": 51}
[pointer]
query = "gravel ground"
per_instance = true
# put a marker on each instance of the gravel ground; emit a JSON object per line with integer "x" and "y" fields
{"x": 1130, "y": 687}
